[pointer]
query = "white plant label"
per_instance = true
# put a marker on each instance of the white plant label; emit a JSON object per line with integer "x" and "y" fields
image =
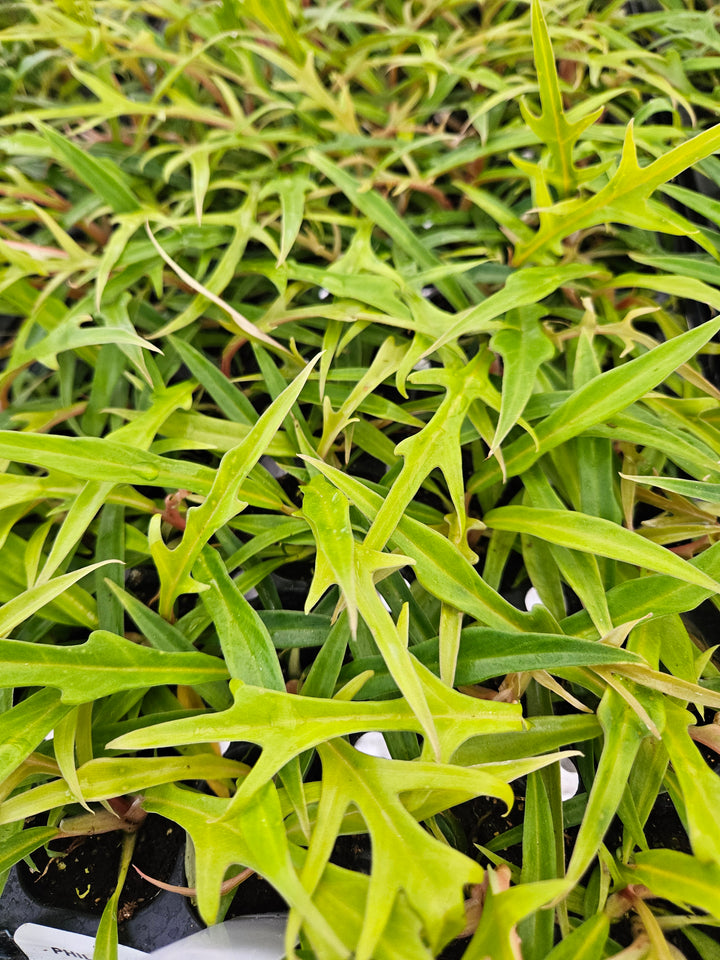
{"x": 244, "y": 938}
{"x": 373, "y": 744}
{"x": 42, "y": 943}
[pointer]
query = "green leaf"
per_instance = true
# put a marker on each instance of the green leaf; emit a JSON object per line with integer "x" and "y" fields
{"x": 328, "y": 515}
{"x": 15, "y": 489}
{"x": 164, "y": 636}
{"x": 685, "y": 286}
{"x": 486, "y": 652}
{"x": 247, "y": 648}
{"x": 30, "y": 601}
{"x": 341, "y": 896}
{"x": 74, "y": 606}
{"x": 668, "y": 684}
{"x": 107, "y": 777}
{"x": 538, "y": 863}
{"x": 82, "y": 511}
{"x": 292, "y": 191}
{"x": 677, "y": 877}
{"x": 340, "y": 559}
{"x": 232, "y": 402}
{"x": 552, "y": 126}
{"x": 655, "y": 594}
{"x": 586, "y": 942}
{"x": 623, "y": 732}
{"x": 71, "y": 334}
{"x": 406, "y": 857}
{"x": 254, "y": 837}
{"x": 23, "y": 844}
{"x": 115, "y": 313}
{"x": 24, "y": 727}
{"x": 102, "y": 665}
{"x": 200, "y": 167}
{"x": 221, "y": 504}
{"x": 285, "y": 725}
{"x": 356, "y": 283}
{"x": 579, "y": 570}
{"x": 114, "y": 249}
{"x": 523, "y": 288}
{"x": 486, "y": 200}
{"x": 385, "y": 362}
{"x": 243, "y": 324}
{"x": 101, "y": 176}
{"x": 524, "y": 347}
{"x": 495, "y": 935}
{"x": 596, "y": 402}
{"x": 699, "y": 784}
{"x": 705, "y": 944}
{"x": 693, "y": 489}
{"x": 541, "y": 735}
{"x": 64, "y": 740}
{"x": 439, "y": 566}
{"x": 624, "y": 198}
{"x": 110, "y": 544}
{"x": 275, "y": 16}
{"x": 437, "y": 445}
{"x": 382, "y": 214}
{"x": 106, "y": 939}
{"x": 194, "y": 429}
{"x": 595, "y": 535}
{"x": 93, "y": 458}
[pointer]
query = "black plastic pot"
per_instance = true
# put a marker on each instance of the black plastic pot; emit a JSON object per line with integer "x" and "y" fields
{"x": 74, "y": 897}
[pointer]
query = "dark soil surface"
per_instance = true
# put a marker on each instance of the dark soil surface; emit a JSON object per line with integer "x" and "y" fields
{"x": 72, "y": 896}
{"x": 84, "y": 876}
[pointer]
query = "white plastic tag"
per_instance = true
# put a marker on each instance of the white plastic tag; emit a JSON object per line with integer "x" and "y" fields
{"x": 43, "y": 943}
{"x": 244, "y": 938}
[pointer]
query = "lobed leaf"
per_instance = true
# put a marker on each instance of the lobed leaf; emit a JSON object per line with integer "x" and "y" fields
{"x": 596, "y": 402}
{"x": 438, "y": 564}
{"x": 285, "y": 725}
{"x": 102, "y": 665}
{"x": 433, "y": 873}
{"x": 221, "y": 503}
{"x": 624, "y": 199}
